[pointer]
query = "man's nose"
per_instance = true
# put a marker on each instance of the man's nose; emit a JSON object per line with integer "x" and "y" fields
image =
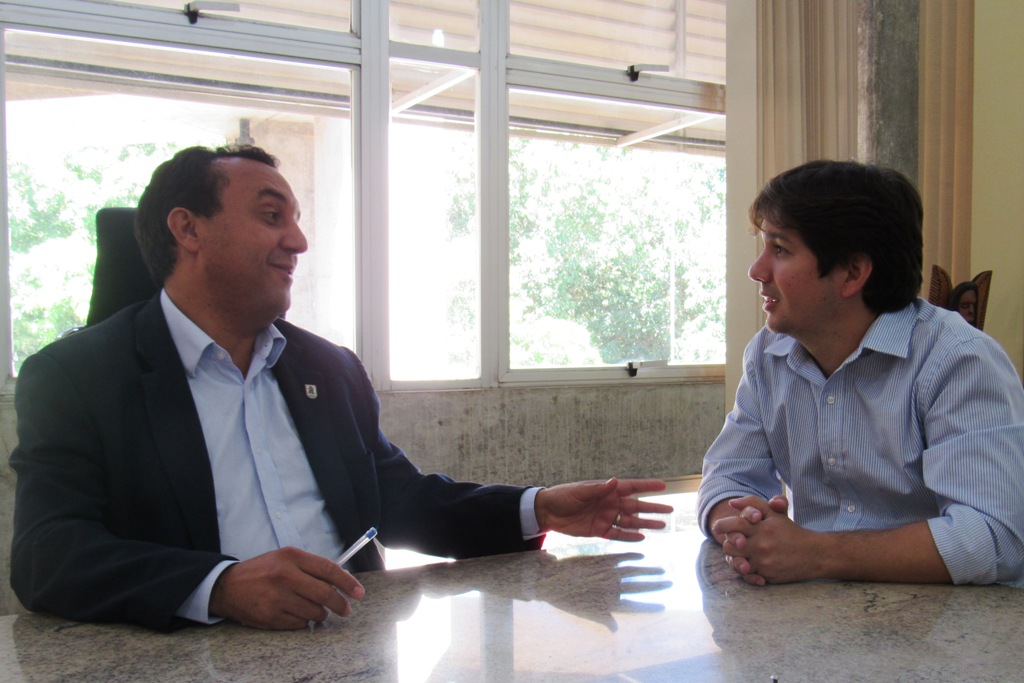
{"x": 295, "y": 240}
{"x": 757, "y": 271}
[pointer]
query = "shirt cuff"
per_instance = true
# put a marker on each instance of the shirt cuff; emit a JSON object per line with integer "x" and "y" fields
{"x": 965, "y": 543}
{"x": 197, "y": 605}
{"x": 528, "y": 515}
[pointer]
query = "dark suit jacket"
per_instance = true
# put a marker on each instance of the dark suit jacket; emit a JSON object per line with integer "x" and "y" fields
{"x": 115, "y": 517}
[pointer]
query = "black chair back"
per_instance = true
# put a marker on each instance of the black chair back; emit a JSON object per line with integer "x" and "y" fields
{"x": 121, "y": 277}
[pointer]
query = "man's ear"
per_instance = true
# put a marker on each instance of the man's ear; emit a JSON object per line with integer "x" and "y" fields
{"x": 857, "y": 272}
{"x": 182, "y": 224}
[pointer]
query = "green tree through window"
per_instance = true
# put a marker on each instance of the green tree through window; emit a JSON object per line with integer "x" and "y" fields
{"x": 53, "y": 234}
{"x": 615, "y": 255}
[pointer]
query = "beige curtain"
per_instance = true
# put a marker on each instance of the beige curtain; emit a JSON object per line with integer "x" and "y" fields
{"x": 946, "y": 124}
{"x": 810, "y": 103}
{"x": 807, "y": 83}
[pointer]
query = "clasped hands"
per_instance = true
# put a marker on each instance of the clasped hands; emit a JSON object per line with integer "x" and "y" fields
{"x": 761, "y": 543}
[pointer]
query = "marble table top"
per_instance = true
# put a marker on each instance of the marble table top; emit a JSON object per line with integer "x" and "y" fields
{"x": 666, "y": 609}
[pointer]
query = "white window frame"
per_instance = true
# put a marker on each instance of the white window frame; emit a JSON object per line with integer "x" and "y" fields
{"x": 367, "y": 51}
{"x": 6, "y": 333}
{"x": 540, "y": 75}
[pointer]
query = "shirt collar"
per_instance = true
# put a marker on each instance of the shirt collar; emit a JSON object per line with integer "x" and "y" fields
{"x": 889, "y": 333}
{"x": 192, "y": 342}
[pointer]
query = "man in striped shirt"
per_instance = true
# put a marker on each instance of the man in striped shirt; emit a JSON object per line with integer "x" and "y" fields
{"x": 897, "y": 428}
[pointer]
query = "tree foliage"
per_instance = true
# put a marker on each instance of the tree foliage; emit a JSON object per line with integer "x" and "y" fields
{"x": 614, "y": 255}
{"x": 53, "y": 235}
{"x": 626, "y": 244}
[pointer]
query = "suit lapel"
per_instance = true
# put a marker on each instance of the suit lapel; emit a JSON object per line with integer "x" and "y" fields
{"x": 307, "y": 392}
{"x": 177, "y": 432}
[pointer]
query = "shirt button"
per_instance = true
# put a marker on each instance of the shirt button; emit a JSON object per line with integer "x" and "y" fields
{"x": 278, "y": 515}
{"x": 831, "y": 461}
{"x": 831, "y": 400}
{"x": 851, "y": 508}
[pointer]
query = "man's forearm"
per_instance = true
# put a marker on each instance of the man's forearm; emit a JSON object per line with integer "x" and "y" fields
{"x": 905, "y": 554}
{"x": 768, "y": 546}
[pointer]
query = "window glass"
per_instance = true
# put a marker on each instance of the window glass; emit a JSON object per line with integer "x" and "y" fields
{"x": 89, "y": 120}
{"x": 687, "y": 37}
{"x": 452, "y": 24}
{"x": 435, "y": 232}
{"x": 331, "y": 15}
{"x": 616, "y": 233}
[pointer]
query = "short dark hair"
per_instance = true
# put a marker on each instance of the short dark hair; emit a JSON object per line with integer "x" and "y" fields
{"x": 844, "y": 208}
{"x": 188, "y": 180}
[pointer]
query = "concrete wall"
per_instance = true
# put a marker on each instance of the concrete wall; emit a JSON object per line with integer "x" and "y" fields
{"x": 552, "y": 435}
{"x": 8, "y": 603}
{"x": 888, "y": 67}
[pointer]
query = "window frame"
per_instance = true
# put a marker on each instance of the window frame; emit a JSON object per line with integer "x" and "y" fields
{"x": 367, "y": 51}
{"x": 529, "y": 73}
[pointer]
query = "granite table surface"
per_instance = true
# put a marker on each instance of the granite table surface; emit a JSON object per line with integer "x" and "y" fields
{"x": 666, "y": 609}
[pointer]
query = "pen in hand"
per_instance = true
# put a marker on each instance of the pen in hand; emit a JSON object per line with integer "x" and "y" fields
{"x": 357, "y": 546}
{"x": 347, "y": 555}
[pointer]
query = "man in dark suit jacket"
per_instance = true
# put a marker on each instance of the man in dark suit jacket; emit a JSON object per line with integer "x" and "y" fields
{"x": 120, "y": 515}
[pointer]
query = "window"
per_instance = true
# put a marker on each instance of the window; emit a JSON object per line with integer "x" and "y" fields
{"x": 434, "y": 239}
{"x": 616, "y": 187}
{"x": 332, "y": 16}
{"x": 546, "y": 217}
{"x": 453, "y": 24}
{"x": 615, "y": 234}
{"x": 687, "y": 37}
{"x": 134, "y": 106}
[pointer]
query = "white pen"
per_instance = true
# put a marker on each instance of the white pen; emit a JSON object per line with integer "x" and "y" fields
{"x": 347, "y": 555}
{"x": 357, "y": 546}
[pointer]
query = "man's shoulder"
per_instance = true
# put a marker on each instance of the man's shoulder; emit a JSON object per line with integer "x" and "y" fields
{"x": 103, "y": 339}
{"x": 938, "y": 327}
{"x": 302, "y": 341}
{"x": 308, "y": 357}
{"x": 944, "y": 345}
{"x": 96, "y": 358}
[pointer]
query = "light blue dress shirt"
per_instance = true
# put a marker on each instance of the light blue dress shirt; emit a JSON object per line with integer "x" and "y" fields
{"x": 267, "y": 496}
{"x": 924, "y": 421}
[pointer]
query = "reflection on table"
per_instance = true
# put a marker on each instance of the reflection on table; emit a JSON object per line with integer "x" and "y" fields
{"x": 667, "y": 609}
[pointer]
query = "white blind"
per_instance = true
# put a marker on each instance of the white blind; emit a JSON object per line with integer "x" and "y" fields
{"x": 688, "y": 36}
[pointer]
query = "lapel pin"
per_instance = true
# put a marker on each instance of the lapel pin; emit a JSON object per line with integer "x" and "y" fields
{"x": 310, "y": 391}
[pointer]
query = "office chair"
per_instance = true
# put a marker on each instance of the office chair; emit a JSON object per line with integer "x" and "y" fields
{"x": 120, "y": 278}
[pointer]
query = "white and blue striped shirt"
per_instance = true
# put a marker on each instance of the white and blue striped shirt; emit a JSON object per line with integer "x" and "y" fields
{"x": 924, "y": 421}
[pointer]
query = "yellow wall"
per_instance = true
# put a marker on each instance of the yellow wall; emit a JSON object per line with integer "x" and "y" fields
{"x": 997, "y": 223}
